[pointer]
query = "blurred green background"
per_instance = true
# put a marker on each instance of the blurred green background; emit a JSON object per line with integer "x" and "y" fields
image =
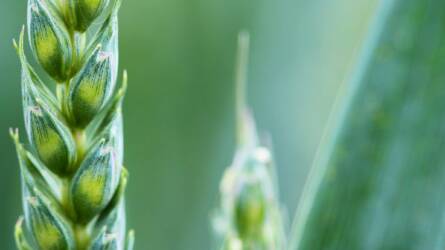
{"x": 179, "y": 113}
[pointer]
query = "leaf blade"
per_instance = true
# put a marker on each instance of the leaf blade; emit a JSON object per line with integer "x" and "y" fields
{"x": 377, "y": 187}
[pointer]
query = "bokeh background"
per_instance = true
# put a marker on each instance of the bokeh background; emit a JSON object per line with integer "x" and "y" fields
{"x": 179, "y": 113}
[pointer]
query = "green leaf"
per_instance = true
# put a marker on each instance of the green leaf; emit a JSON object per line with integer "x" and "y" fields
{"x": 378, "y": 182}
{"x": 49, "y": 40}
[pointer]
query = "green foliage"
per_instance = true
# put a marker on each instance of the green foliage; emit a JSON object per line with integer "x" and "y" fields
{"x": 73, "y": 179}
{"x": 379, "y": 184}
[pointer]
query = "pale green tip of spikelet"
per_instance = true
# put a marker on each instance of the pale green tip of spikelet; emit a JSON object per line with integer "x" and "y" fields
{"x": 19, "y": 45}
{"x": 20, "y": 239}
{"x": 130, "y": 240}
{"x": 14, "y": 134}
{"x": 124, "y": 176}
{"x": 124, "y": 86}
{"x": 123, "y": 183}
{"x": 14, "y": 42}
{"x": 123, "y": 89}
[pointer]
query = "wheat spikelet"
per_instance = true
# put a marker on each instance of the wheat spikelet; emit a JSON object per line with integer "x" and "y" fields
{"x": 250, "y": 215}
{"x": 72, "y": 173}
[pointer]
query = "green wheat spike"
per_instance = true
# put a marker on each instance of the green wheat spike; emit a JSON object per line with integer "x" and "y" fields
{"x": 72, "y": 173}
{"x": 249, "y": 217}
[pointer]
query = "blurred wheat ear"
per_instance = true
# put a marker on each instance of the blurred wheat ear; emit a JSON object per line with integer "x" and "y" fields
{"x": 72, "y": 173}
{"x": 249, "y": 217}
{"x": 379, "y": 178}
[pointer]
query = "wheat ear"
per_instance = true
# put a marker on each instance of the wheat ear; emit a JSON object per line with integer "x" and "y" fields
{"x": 72, "y": 173}
{"x": 250, "y": 216}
